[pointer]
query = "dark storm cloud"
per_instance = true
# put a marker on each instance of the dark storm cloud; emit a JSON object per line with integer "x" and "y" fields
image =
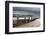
{"x": 27, "y": 11}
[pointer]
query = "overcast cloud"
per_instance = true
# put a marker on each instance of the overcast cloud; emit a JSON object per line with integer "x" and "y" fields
{"x": 27, "y": 11}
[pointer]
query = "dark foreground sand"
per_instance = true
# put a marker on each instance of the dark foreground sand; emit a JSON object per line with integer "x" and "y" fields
{"x": 35, "y": 23}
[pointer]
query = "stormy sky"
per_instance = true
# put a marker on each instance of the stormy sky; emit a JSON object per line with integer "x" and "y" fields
{"x": 27, "y": 11}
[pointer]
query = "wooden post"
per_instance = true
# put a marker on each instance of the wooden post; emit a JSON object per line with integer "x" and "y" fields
{"x": 17, "y": 19}
{"x": 25, "y": 19}
{"x": 29, "y": 19}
